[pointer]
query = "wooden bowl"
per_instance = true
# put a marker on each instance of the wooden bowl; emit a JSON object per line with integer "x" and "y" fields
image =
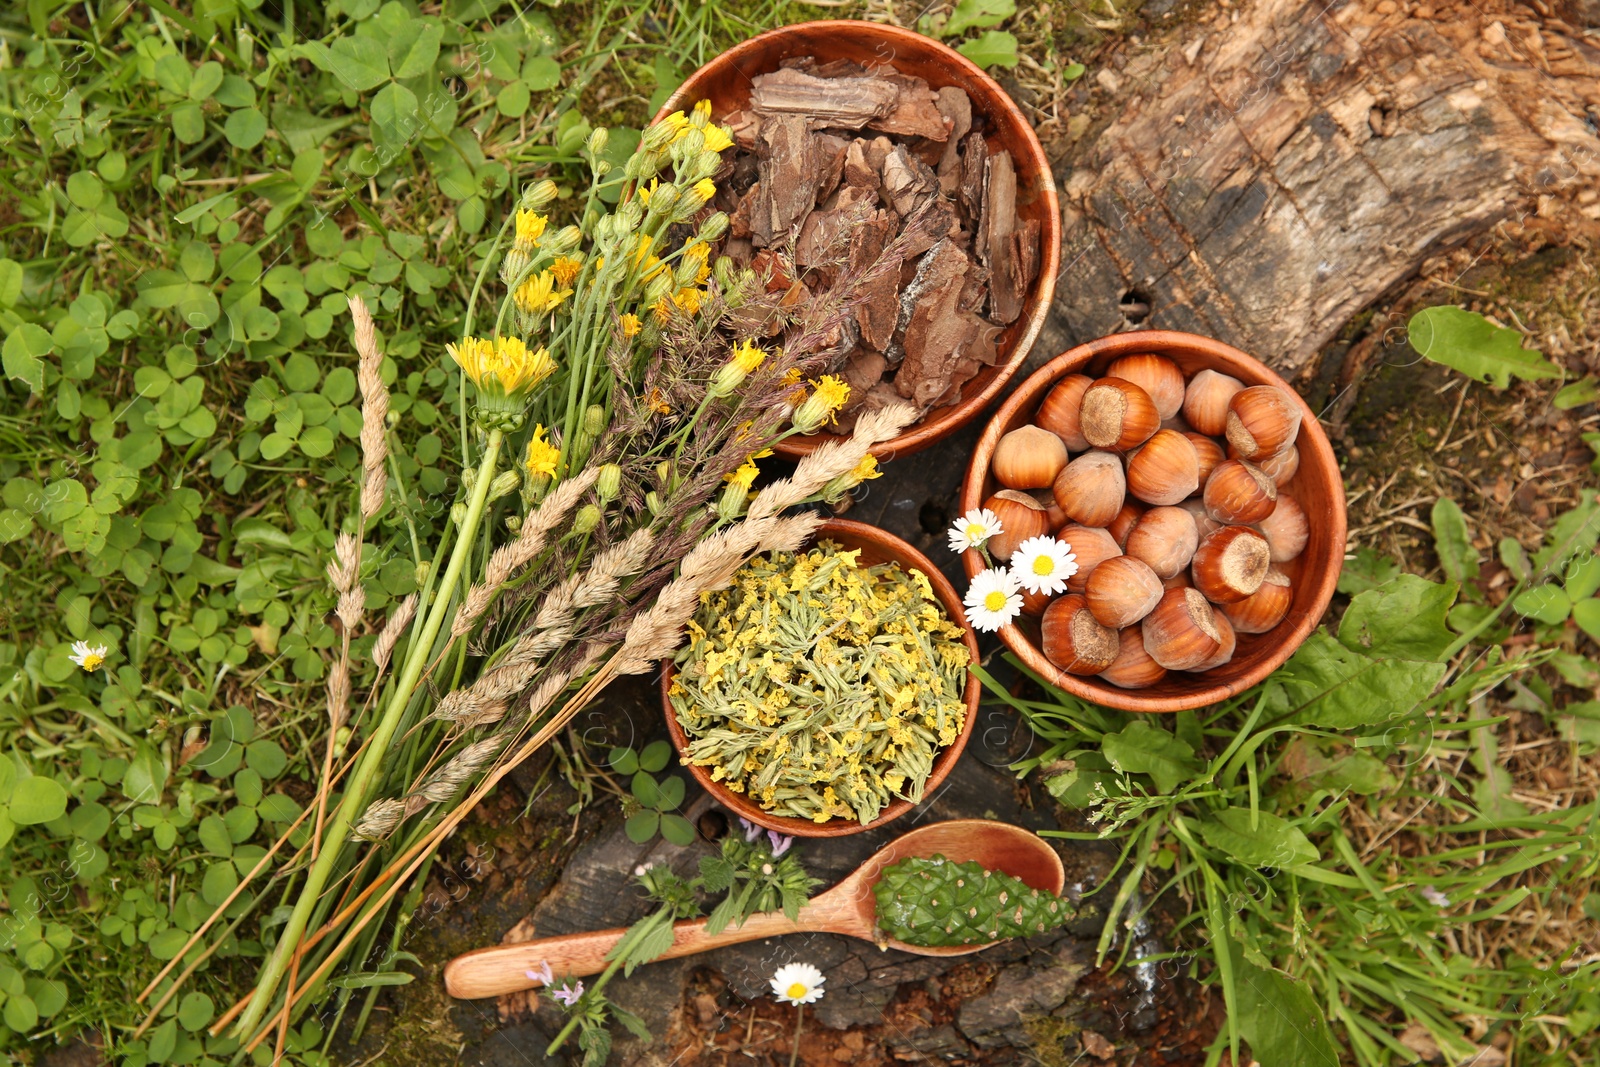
{"x": 726, "y": 82}
{"x": 1317, "y": 485}
{"x": 877, "y": 546}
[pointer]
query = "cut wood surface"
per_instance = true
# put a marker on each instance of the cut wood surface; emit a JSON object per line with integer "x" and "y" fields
{"x": 1272, "y": 169}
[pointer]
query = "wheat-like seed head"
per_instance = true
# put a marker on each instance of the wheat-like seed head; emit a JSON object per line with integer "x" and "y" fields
{"x": 374, "y": 410}
{"x": 389, "y": 636}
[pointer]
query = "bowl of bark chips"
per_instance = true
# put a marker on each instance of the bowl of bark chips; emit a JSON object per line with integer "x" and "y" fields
{"x": 856, "y": 142}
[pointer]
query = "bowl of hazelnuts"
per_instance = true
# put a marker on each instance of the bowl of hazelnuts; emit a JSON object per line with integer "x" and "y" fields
{"x": 1200, "y": 500}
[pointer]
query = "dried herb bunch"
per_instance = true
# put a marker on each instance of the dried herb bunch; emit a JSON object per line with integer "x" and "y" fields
{"x": 614, "y": 414}
{"x": 820, "y": 687}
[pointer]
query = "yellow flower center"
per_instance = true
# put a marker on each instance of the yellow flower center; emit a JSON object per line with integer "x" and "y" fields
{"x": 92, "y": 661}
{"x": 974, "y": 531}
{"x": 1044, "y": 565}
{"x": 995, "y": 601}
{"x": 797, "y": 990}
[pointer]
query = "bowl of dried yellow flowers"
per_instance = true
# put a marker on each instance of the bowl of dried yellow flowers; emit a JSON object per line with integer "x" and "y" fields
{"x": 828, "y": 690}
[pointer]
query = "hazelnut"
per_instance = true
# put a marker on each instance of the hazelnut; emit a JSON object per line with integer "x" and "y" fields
{"x": 1262, "y": 420}
{"x": 1073, "y": 639}
{"x": 1180, "y": 633}
{"x": 1118, "y": 527}
{"x": 1052, "y": 510}
{"x": 1287, "y": 530}
{"x": 1239, "y": 492}
{"x": 1205, "y": 401}
{"x": 1121, "y": 591}
{"x": 1263, "y": 609}
{"x": 1208, "y": 452}
{"x": 1230, "y": 564}
{"x": 1033, "y": 604}
{"x": 1133, "y": 668}
{"x": 1117, "y": 414}
{"x": 1203, "y": 522}
{"x": 1165, "y": 539}
{"x": 1091, "y": 488}
{"x": 1091, "y": 546}
{"x": 1177, "y": 581}
{"x": 1058, "y": 412}
{"x": 1165, "y": 470}
{"x": 1281, "y": 466}
{"x": 1228, "y": 642}
{"x": 1028, "y": 458}
{"x": 1158, "y": 376}
{"x": 1021, "y": 517}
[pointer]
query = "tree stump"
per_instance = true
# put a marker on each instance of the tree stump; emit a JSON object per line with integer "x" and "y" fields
{"x": 1275, "y": 167}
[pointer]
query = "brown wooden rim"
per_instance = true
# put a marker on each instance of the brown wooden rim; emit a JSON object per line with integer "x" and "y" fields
{"x": 850, "y": 534}
{"x": 1314, "y": 449}
{"x": 943, "y": 421}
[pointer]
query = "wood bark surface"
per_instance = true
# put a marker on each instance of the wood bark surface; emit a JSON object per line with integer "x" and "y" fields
{"x": 1273, "y": 168}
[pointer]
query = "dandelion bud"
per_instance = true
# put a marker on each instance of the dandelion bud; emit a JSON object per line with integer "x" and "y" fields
{"x": 629, "y": 216}
{"x": 602, "y": 167}
{"x": 594, "y": 419}
{"x": 664, "y": 471}
{"x": 587, "y": 518}
{"x": 700, "y": 115}
{"x": 661, "y": 134}
{"x": 566, "y": 239}
{"x": 652, "y": 501}
{"x": 708, "y": 163}
{"x": 514, "y": 266}
{"x": 422, "y": 572}
{"x": 689, "y": 146}
{"x": 745, "y": 359}
{"x": 642, "y": 165}
{"x": 458, "y": 513}
{"x": 469, "y": 477}
{"x": 687, "y": 274}
{"x": 829, "y": 396}
{"x": 714, "y": 226}
{"x": 538, "y": 194}
{"x": 725, "y": 272}
{"x": 598, "y": 139}
{"x": 513, "y": 523}
{"x": 609, "y": 484}
{"x": 505, "y": 482}
{"x": 663, "y": 200}
{"x": 732, "y": 502}
{"x": 659, "y": 288}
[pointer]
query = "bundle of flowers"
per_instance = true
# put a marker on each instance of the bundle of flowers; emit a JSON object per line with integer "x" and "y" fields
{"x": 619, "y": 399}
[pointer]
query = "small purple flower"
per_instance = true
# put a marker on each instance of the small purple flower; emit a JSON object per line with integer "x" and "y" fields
{"x": 780, "y": 843}
{"x": 568, "y": 996}
{"x": 541, "y": 974}
{"x": 751, "y": 830}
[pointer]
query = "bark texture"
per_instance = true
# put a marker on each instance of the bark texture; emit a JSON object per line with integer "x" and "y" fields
{"x": 1275, "y": 167}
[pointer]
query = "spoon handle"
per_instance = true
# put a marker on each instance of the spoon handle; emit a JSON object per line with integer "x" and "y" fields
{"x": 489, "y": 972}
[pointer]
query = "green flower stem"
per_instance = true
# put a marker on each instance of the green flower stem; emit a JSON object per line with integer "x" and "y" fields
{"x": 640, "y": 931}
{"x": 372, "y": 762}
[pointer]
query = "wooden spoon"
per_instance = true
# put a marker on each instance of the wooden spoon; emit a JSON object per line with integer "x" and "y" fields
{"x": 847, "y": 908}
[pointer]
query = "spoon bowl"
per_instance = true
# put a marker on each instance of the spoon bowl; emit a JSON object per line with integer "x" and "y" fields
{"x": 848, "y": 908}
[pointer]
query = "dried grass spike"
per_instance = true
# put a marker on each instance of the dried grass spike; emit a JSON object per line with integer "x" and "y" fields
{"x": 389, "y": 636}
{"x": 374, "y": 411}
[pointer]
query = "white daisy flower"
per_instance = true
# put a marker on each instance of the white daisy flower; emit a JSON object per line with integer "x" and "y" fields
{"x": 1043, "y": 565}
{"x": 993, "y": 599}
{"x": 973, "y": 529}
{"x": 798, "y": 983}
{"x": 88, "y": 656}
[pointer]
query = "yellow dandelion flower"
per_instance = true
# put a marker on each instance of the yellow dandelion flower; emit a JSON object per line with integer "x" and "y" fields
{"x": 530, "y": 227}
{"x": 689, "y": 300}
{"x": 540, "y": 293}
{"x": 505, "y": 364}
{"x": 658, "y": 403}
{"x": 819, "y": 408}
{"x": 565, "y": 269}
{"x": 543, "y": 457}
{"x": 631, "y": 325}
{"x": 677, "y": 122}
{"x": 705, "y": 188}
{"x": 663, "y": 310}
{"x": 646, "y": 191}
{"x": 717, "y": 139}
{"x": 702, "y": 111}
{"x": 745, "y": 476}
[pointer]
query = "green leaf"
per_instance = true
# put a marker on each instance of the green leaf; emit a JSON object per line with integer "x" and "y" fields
{"x": 221, "y": 878}
{"x": 84, "y": 189}
{"x": 1467, "y": 342}
{"x": 655, "y": 756}
{"x": 677, "y": 830}
{"x": 207, "y": 79}
{"x": 1281, "y": 1019}
{"x": 1583, "y": 577}
{"x": 194, "y": 1011}
{"x": 214, "y": 836}
{"x": 10, "y": 282}
{"x": 1579, "y": 393}
{"x": 1367, "y": 570}
{"x": 1453, "y": 541}
{"x": 1326, "y": 684}
{"x": 1575, "y": 532}
{"x": 1142, "y": 748}
{"x": 1271, "y": 842}
{"x": 395, "y": 107}
{"x": 146, "y": 776}
{"x": 1548, "y": 604}
{"x": 540, "y": 73}
{"x": 1586, "y": 613}
{"x": 36, "y": 800}
{"x": 245, "y": 128}
{"x": 642, "y": 827}
{"x": 188, "y": 123}
{"x": 977, "y": 14}
{"x": 1402, "y": 619}
{"x": 370, "y": 979}
{"x": 997, "y": 48}
{"x": 671, "y": 793}
{"x": 359, "y": 62}
{"x": 413, "y": 51}
{"x": 513, "y": 100}
{"x": 21, "y": 355}
{"x": 20, "y": 1013}
{"x": 623, "y": 760}
{"x": 1514, "y": 558}
{"x": 645, "y": 790}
